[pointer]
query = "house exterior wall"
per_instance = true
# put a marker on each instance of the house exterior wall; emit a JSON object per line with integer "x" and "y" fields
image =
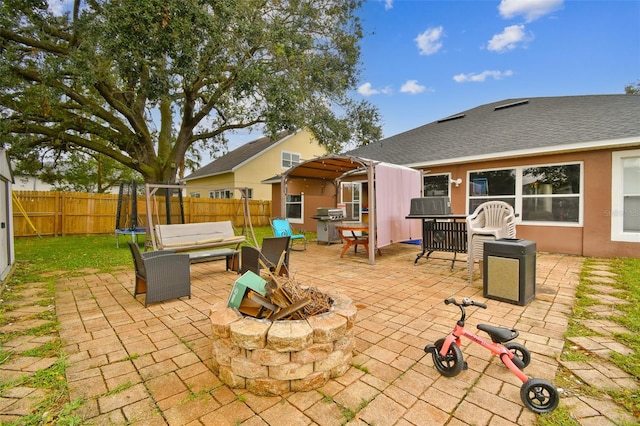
{"x": 316, "y": 194}
{"x": 266, "y": 164}
{"x": 30, "y": 183}
{"x": 593, "y": 238}
{"x": 269, "y": 163}
{"x": 203, "y": 185}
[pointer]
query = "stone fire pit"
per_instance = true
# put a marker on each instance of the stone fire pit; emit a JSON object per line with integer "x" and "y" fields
{"x": 273, "y": 358}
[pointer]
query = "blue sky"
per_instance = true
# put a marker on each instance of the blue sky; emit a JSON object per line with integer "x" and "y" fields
{"x": 423, "y": 60}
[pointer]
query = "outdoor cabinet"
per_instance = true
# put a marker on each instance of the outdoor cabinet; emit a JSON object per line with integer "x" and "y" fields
{"x": 327, "y": 232}
{"x": 510, "y": 270}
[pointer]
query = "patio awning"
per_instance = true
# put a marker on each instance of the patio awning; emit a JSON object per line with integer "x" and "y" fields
{"x": 330, "y": 167}
{"x": 334, "y": 167}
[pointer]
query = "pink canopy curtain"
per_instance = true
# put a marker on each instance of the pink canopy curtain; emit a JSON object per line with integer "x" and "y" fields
{"x": 395, "y": 186}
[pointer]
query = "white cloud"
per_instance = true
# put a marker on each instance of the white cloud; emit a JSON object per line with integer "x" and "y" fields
{"x": 386, "y": 90}
{"x": 479, "y": 78}
{"x": 388, "y": 4}
{"x": 509, "y": 39}
{"x": 366, "y": 89}
{"x": 530, "y": 9}
{"x": 412, "y": 87}
{"x": 429, "y": 41}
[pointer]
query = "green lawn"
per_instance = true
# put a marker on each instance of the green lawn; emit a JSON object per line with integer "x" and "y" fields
{"x": 75, "y": 254}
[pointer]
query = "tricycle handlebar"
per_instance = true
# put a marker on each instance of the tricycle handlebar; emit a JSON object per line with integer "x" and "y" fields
{"x": 465, "y": 302}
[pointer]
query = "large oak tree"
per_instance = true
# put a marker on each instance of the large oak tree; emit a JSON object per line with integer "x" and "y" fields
{"x": 150, "y": 83}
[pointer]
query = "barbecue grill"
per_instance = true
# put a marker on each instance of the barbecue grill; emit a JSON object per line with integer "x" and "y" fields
{"x": 441, "y": 230}
{"x": 327, "y": 219}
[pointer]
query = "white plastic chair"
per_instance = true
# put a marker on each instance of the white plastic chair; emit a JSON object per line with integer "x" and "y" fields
{"x": 490, "y": 221}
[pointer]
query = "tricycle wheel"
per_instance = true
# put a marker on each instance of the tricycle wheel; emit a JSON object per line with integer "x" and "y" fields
{"x": 521, "y": 352}
{"x": 539, "y": 396}
{"x": 452, "y": 363}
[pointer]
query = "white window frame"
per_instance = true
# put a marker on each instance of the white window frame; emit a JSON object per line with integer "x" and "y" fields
{"x": 518, "y": 196}
{"x": 449, "y": 180}
{"x": 355, "y": 203}
{"x": 294, "y": 158}
{"x": 617, "y": 197}
{"x": 295, "y": 219}
{"x": 221, "y": 194}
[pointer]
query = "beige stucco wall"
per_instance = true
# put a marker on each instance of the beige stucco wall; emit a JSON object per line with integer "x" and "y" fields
{"x": 592, "y": 239}
{"x": 268, "y": 164}
{"x": 263, "y": 166}
{"x": 206, "y": 184}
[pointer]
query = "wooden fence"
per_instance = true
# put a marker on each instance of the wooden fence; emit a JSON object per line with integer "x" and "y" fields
{"x": 52, "y": 213}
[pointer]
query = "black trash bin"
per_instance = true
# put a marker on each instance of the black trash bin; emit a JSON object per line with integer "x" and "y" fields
{"x": 510, "y": 270}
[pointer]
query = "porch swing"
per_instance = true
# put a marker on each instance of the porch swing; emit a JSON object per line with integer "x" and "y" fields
{"x": 174, "y": 215}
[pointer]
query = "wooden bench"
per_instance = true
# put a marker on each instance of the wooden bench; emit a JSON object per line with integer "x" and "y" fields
{"x": 231, "y": 256}
{"x": 196, "y": 236}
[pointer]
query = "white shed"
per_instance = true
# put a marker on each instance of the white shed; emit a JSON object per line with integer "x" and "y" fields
{"x": 7, "y": 255}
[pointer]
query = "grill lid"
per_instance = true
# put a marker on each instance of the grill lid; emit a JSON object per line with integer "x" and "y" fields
{"x": 430, "y": 205}
{"x": 328, "y": 211}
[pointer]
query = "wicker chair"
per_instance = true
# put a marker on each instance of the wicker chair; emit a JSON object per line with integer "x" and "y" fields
{"x": 272, "y": 249}
{"x": 490, "y": 221}
{"x": 161, "y": 275}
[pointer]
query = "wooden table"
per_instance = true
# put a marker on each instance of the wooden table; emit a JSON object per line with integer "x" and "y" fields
{"x": 348, "y": 234}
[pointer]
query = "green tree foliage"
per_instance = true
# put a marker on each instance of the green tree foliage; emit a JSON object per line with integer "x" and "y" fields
{"x": 77, "y": 171}
{"x": 633, "y": 88}
{"x": 152, "y": 84}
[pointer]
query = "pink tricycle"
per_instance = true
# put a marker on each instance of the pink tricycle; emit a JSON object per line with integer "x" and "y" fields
{"x": 538, "y": 395}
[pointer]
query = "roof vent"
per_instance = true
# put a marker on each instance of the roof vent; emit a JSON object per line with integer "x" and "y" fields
{"x": 512, "y": 104}
{"x": 450, "y": 118}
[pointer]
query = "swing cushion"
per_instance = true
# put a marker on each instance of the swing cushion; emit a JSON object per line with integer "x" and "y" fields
{"x": 196, "y": 236}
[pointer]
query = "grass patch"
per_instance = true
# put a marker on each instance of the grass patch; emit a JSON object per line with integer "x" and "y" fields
{"x": 5, "y": 356}
{"x": 575, "y": 355}
{"x": 71, "y": 255}
{"x": 361, "y": 368}
{"x": 558, "y": 417}
{"x": 43, "y": 330}
{"x": 48, "y": 350}
{"x": 575, "y": 327}
{"x": 628, "y": 284}
{"x": 126, "y": 385}
{"x": 131, "y": 357}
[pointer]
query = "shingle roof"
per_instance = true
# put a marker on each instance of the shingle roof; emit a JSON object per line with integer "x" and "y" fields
{"x": 513, "y": 126}
{"x": 232, "y": 159}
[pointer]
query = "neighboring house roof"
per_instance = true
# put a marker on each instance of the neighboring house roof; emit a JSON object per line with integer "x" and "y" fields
{"x": 515, "y": 127}
{"x": 229, "y": 162}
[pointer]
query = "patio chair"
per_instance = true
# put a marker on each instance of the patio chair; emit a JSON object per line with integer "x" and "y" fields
{"x": 269, "y": 254}
{"x": 490, "y": 221}
{"x": 282, "y": 228}
{"x": 161, "y": 275}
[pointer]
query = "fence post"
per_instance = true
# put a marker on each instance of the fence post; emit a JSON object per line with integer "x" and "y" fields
{"x": 57, "y": 214}
{"x": 63, "y": 211}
